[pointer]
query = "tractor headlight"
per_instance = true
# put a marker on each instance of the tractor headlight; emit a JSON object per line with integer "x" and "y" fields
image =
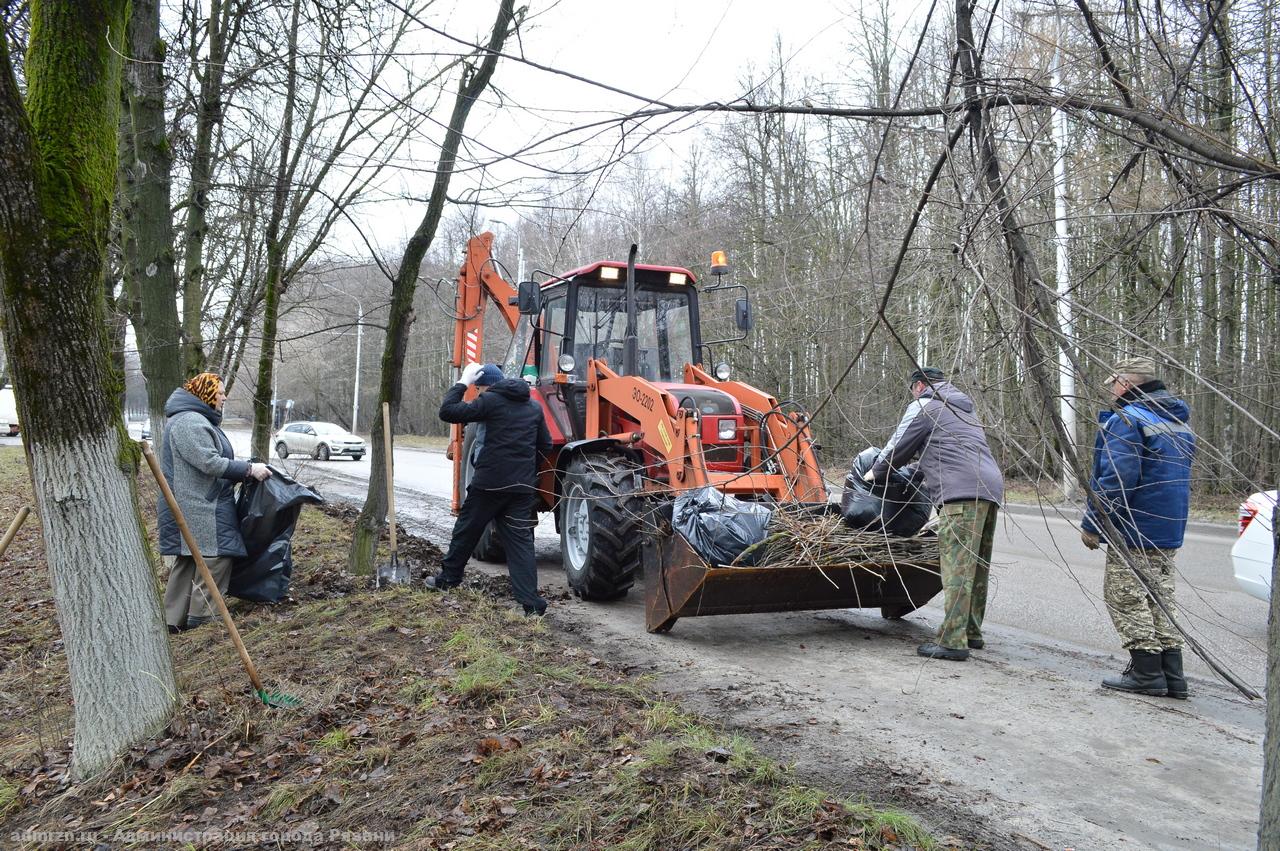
{"x": 726, "y": 429}
{"x": 722, "y": 372}
{"x": 566, "y": 363}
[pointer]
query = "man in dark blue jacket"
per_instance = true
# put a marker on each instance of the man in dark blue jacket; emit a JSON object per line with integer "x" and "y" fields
{"x": 1142, "y": 484}
{"x": 505, "y": 471}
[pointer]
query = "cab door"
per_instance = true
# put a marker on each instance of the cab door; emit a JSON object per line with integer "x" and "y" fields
{"x": 552, "y": 322}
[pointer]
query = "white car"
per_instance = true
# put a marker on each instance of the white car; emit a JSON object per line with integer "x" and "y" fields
{"x": 321, "y": 441}
{"x": 1253, "y": 551}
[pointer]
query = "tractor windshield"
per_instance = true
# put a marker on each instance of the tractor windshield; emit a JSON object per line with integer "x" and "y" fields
{"x": 662, "y": 330}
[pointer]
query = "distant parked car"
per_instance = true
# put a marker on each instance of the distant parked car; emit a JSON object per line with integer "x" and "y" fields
{"x": 1253, "y": 551}
{"x": 8, "y": 413}
{"x": 321, "y": 441}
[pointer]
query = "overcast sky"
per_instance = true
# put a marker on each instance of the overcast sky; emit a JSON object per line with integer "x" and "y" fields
{"x": 681, "y": 51}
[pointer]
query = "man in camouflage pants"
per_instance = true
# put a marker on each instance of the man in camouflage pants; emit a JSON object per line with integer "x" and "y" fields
{"x": 1142, "y": 484}
{"x": 961, "y": 478}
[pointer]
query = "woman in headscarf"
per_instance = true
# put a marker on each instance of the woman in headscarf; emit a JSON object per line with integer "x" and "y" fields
{"x": 202, "y": 470}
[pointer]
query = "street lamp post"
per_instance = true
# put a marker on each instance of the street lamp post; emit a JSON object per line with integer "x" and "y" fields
{"x": 355, "y": 393}
{"x": 1066, "y": 319}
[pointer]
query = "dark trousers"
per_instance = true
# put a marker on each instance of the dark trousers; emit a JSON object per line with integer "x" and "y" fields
{"x": 513, "y": 513}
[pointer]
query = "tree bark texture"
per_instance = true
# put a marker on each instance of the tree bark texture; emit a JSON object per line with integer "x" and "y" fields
{"x": 146, "y": 165}
{"x": 263, "y": 421}
{"x": 475, "y": 80}
{"x": 1269, "y": 820}
{"x": 57, "y": 173}
{"x": 208, "y": 116}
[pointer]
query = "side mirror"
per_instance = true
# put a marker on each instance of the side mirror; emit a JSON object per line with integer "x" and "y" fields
{"x": 529, "y": 298}
{"x": 742, "y": 314}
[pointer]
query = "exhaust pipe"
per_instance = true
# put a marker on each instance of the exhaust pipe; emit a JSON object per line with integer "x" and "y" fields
{"x": 630, "y": 345}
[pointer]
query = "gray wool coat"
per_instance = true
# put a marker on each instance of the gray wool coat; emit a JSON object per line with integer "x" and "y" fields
{"x": 198, "y": 461}
{"x": 941, "y": 429}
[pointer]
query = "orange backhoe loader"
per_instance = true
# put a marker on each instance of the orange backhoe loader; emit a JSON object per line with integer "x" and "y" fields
{"x": 613, "y": 352}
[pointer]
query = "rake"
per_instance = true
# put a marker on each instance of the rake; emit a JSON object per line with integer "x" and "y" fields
{"x": 269, "y": 698}
{"x": 12, "y": 531}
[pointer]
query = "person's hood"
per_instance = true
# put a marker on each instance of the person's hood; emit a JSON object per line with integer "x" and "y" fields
{"x": 1165, "y": 405}
{"x": 515, "y": 389}
{"x": 180, "y": 402}
{"x": 948, "y": 394}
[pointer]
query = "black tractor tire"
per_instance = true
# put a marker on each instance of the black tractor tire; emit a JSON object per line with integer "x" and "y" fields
{"x": 601, "y": 526}
{"x": 322, "y": 453}
{"x": 282, "y": 451}
{"x": 489, "y": 548}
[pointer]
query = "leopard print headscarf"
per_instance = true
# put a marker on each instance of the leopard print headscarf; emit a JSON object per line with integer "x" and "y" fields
{"x": 204, "y": 387}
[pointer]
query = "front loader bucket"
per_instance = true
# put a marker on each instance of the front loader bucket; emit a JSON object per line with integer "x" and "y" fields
{"x": 679, "y": 584}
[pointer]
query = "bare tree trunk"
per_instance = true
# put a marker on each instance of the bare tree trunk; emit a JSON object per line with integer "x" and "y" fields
{"x": 57, "y": 168}
{"x": 146, "y": 165}
{"x": 263, "y": 421}
{"x": 208, "y": 116}
{"x": 1269, "y": 820}
{"x": 473, "y": 83}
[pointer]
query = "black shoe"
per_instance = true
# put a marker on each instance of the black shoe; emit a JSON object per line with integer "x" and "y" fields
{"x": 535, "y": 611}
{"x": 1145, "y": 675}
{"x": 174, "y": 630}
{"x": 1171, "y": 664}
{"x": 439, "y": 583}
{"x": 937, "y": 651}
{"x": 976, "y": 644}
{"x": 192, "y": 623}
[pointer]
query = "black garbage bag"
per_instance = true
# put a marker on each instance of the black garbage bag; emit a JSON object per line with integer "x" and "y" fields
{"x": 718, "y": 526}
{"x": 896, "y": 505}
{"x": 268, "y": 511}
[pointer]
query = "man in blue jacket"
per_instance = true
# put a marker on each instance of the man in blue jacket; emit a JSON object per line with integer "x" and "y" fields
{"x": 502, "y": 489}
{"x": 1142, "y": 484}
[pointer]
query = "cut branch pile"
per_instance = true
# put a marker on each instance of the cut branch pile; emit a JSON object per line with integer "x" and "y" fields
{"x": 802, "y": 539}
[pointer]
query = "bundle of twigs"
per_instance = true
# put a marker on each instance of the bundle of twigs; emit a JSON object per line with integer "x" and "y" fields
{"x": 798, "y": 538}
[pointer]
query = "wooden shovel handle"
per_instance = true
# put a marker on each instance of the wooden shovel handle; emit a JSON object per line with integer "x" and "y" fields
{"x": 209, "y": 583}
{"x": 391, "y": 485}
{"x": 12, "y": 532}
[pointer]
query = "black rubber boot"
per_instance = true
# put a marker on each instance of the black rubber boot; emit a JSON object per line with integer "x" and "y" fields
{"x": 439, "y": 583}
{"x": 1145, "y": 675}
{"x": 1171, "y": 662}
{"x": 933, "y": 650}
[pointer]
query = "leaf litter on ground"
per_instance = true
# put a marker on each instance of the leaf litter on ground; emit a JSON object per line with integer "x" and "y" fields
{"x": 428, "y": 722}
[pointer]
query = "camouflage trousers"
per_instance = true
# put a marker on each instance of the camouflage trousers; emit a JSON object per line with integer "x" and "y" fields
{"x": 1140, "y": 622}
{"x": 966, "y": 531}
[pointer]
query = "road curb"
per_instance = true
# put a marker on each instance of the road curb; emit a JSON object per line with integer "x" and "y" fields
{"x": 1073, "y": 512}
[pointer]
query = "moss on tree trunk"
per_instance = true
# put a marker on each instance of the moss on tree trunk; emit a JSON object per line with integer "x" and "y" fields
{"x": 57, "y": 173}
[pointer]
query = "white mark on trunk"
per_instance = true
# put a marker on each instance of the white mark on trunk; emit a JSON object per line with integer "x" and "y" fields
{"x": 151, "y": 270}
{"x": 107, "y": 598}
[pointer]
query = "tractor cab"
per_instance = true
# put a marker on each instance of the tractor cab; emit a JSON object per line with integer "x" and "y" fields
{"x": 583, "y": 315}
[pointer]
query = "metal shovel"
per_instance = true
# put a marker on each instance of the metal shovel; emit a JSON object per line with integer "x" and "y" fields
{"x": 270, "y": 698}
{"x": 394, "y": 573}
